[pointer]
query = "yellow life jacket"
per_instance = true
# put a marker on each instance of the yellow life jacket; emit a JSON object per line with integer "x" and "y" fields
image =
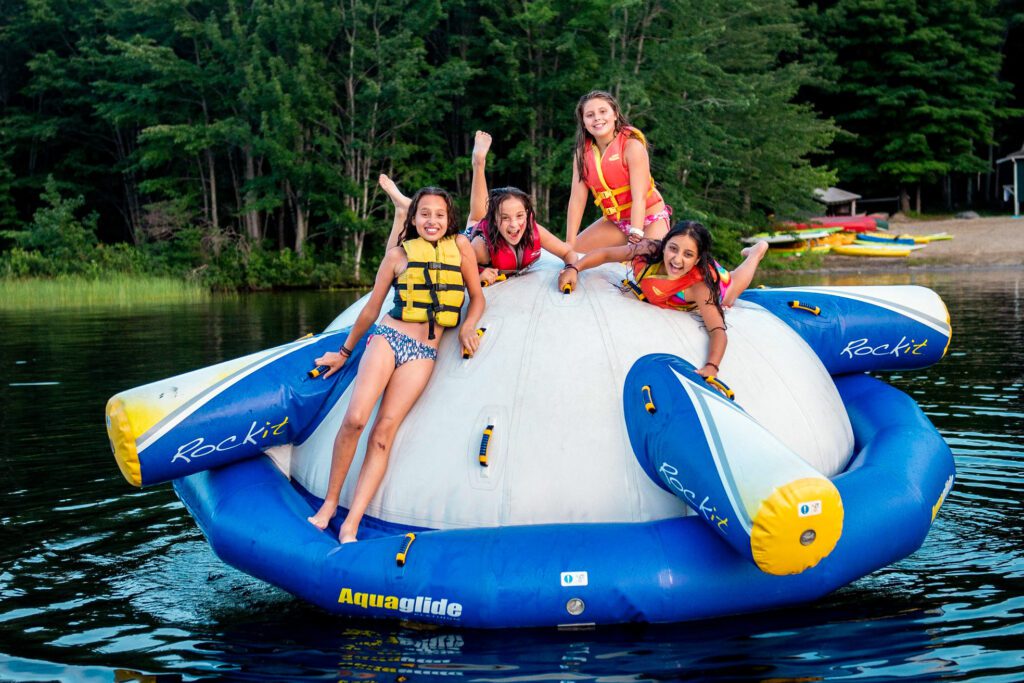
{"x": 431, "y": 288}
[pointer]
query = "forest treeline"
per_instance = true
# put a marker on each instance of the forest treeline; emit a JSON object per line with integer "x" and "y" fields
{"x": 240, "y": 142}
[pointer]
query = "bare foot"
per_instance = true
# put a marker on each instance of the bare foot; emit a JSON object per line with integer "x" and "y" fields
{"x": 757, "y": 250}
{"x": 323, "y": 516}
{"x": 481, "y": 143}
{"x": 346, "y": 536}
{"x": 391, "y": 190}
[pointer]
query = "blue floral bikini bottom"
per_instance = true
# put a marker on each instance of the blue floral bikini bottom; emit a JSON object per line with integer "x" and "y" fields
{"x": 405, "y": 347}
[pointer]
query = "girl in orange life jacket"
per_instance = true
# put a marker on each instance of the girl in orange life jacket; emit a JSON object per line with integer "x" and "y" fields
{"x": 679, "y": 272}
{"x": 400, "y": 352}
{"x": 611, "y": 161}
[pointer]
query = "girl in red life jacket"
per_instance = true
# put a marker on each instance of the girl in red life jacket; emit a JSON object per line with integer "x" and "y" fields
{"x": 505, "y": 235}
{"x": 679, "y": 272}
{"x": 611, "y": 162}
{"x": 400, "y": 353}
{"x": 502, "y": 226}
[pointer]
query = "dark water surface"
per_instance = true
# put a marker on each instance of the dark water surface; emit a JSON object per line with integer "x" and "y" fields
{"x": 100, "y": 581}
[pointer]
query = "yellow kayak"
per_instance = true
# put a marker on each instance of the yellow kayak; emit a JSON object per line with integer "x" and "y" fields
{"x": 871, "y": 250}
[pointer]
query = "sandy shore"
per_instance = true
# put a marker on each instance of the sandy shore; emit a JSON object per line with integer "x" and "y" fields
{"x": 997, "y": 241}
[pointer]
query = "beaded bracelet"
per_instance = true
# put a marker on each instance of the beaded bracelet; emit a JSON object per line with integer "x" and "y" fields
{"x": 345, "y": 351}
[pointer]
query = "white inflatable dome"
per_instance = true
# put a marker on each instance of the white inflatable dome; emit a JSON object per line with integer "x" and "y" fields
{"x": 549, "y": 376}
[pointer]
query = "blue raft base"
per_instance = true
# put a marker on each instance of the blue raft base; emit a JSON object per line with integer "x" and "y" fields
{"x": 664, "y": 571}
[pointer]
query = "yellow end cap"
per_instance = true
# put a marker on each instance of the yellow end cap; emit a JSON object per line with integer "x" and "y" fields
{"x": 796, "y": 526}
{"x": 122, "y": 440}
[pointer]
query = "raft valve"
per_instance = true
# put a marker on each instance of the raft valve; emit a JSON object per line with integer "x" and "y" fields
{"x": 575, "y": 607}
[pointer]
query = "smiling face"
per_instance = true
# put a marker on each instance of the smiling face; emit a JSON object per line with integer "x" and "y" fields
{"x": 512, "y": 217}
{"x": 681, "y": 256}
{"x": 431, "y": 218}
{"x": 599, "y": 118}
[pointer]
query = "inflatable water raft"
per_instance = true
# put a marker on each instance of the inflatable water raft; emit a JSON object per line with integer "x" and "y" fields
{"x": 576, "y": 470}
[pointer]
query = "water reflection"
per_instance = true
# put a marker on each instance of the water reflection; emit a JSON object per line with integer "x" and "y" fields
{"x": 98, "y": 580}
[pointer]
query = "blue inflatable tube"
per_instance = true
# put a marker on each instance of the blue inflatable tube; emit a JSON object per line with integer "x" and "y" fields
{"x": 664, "y": 571}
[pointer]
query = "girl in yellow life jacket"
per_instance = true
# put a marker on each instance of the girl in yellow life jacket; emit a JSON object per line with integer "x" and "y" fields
{"x": 428, "y": 270}
{"x": 679, "y": 272}
{"x": 611, "y": 161}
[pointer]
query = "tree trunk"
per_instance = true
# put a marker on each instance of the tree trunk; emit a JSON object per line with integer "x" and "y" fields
{"x": 918, "y": 202}
{"x": 214, "y": 220}
{"x": 358, "y": 239}
{"x": 904, "y": 201}
{"x": 252, "y": 217}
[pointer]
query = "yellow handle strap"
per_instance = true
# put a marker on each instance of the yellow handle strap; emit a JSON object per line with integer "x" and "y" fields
{"x": 722, "y": 387}
{"x": 648, "y": 399}
{"x": 404, "y": 550}
{"x": 480, "y": 333}
{"x": 803, "y": 307}
{"x": 485, "y": 443}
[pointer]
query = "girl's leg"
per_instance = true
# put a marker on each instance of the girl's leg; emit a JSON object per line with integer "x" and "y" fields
{"x": 401, "y": 203}
{"x": 744, "y": 273}
{"x": 657, "y": 230}
{"x": 599, "y": 234}
{"x": 375, "y": 369}
{"x": 406, "y": 385}
{"x": 478, "y": 189}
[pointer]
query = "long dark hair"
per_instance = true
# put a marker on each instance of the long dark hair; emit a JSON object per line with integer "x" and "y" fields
{"x": 414, "y": 205}
{"x": 495, "y": 198}
{"x": 581, "y": 131}
{"x": 705, "y": 261}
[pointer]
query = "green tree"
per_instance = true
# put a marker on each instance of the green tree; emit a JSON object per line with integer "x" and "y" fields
{"x": 917, "y": 88}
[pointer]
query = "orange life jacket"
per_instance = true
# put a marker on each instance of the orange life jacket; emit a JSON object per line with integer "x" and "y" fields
{"x": 607, "y": 175}
{"x": 650, "y": 284}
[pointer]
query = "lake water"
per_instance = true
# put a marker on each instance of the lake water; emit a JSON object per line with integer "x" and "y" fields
{"x": 100, "y": 581}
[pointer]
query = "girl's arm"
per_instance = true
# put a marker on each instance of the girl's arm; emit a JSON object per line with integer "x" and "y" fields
{"x": 577, "y": 205}
{"x": 393, "y": 260}
{"x": 467, "y": 333}
{"x": 553, "y": 245}
{"x": 488, "y": 275}
{"x": 639, "y": 164}
{"x": 597, "y": 257}
{"x": 714, "y": 324}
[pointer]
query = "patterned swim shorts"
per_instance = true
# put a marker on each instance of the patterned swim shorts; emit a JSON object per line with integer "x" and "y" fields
{"x": 405, "y": 347}
{"x": 665, "y": 214}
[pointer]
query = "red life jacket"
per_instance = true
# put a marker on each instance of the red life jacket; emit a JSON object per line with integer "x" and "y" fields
{"x": 504, "y": 258}
{"x": 650, "y": 284}
{"x": 607, "y": 175}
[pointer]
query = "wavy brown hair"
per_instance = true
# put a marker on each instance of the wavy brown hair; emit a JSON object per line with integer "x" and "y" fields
{"x": 495, "y": 199}
{"x": 581, "y": 130}
{"x": 414, "y": 205}
{"x": 705, "y": 261}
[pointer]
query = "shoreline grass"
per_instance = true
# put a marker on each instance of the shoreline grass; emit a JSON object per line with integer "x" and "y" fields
{"x": 112, "y": 291}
